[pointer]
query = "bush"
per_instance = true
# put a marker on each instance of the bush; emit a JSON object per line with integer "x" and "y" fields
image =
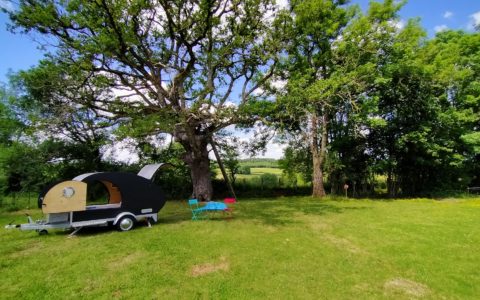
{"x": 245, "y": 170}
{"x": 269, "y": 180}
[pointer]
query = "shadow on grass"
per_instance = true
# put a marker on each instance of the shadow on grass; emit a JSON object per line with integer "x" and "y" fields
{"x": 282, "y": 213}
{"x": 274, "y": 212}
{"x": 172, "y": 218}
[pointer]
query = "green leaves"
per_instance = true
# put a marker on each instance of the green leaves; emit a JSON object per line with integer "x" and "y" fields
{"x": 472, "y": 139}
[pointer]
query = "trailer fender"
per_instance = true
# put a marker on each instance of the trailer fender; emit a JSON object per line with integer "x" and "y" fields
{"x": 123, "y": 214}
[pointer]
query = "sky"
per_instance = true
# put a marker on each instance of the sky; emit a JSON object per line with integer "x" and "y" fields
{"x": 19, "y": 51}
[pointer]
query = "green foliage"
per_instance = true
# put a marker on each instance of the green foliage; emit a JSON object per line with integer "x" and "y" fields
{"x": 363, "y": 98}
{"x": 31, "y": 167}
{"x": 9, "y": 123}
{"x": 163, "y": 66}
{"x": 424, "y": 141}
{"x": 175, "y": 180}
{"x": 297, "y": 160}
{"x": 473, "y": 140}
{"x": 244, "y": 170}
{"x": 259, "y": 162}
{"x": 230, "y": 160}
{"x": 269, "y": 180}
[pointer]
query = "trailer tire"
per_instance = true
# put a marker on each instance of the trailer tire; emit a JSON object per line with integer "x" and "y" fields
{"x": 126, "y": 223}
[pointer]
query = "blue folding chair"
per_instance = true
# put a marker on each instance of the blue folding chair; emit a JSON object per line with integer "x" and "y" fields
{"x": 198, "y": 212}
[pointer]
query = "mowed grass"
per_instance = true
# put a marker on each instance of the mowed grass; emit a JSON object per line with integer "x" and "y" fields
{"x": 284, "y": 248}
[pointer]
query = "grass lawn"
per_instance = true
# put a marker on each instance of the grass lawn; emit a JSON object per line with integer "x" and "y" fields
{"x": 284, "y": 248}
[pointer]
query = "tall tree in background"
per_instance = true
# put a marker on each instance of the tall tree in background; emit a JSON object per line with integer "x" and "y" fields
{"x": 404, "y": 106}
{"x": 332, "y": 60}
{"x": 316, "y": 25}
{"x": 10, "y": 125}
{"x": 56, "y": 104}
{"x": 177, "y": 63}
{"x": 454, "y": 59}
{"x": 428, "y": 100}
{"x": 10, "y": 128}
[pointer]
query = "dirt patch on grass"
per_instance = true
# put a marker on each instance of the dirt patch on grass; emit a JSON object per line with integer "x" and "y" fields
{"x": 117, "y": 294}
{"x": 320, "y": 226}
{"x": 123, "y": 261}
{"x": 361, "y": 287}
{"x": 407, "y": 287}
{"x": 207, "y": 268}
{"x": 29, "y": 250}
{"x": 315, "y": 223}
{"x": 344, "y": 244}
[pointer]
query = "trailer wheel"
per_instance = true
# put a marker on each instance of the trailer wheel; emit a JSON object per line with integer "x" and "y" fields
{"x": 126, "y": 223}
{"x": 43, "y": 232}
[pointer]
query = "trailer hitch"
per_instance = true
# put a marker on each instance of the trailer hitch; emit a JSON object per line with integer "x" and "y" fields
{"x": 30, "y": 221}
{"x": 11, "y": 225}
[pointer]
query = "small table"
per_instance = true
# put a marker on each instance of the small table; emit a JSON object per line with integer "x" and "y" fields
{"x": 213, "y": 206}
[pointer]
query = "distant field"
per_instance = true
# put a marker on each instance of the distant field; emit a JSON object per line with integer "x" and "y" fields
{"x": 260, "y": 171}
{"x": 254, "y": 179}
{"x": 259, "y": 163}
{"x": 278, "y": 248}
{"x": 255, "y": 172}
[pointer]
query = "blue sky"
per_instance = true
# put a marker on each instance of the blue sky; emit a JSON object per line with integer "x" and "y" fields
{"x": 19, "y": 51}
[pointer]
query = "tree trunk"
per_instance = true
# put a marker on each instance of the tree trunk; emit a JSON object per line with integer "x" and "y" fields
{"x": 392, "y": 188}
{"x": 318, "y": 188}
{"x": 318, "y": 153}
{"x": 201, "y": 178}
{"x": 196, "y": 157}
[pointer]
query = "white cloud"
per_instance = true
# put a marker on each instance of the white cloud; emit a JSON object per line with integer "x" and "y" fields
{"x": 229, "y": 104}
{"x": 278, "y": 83}
{"x": 448, "y": 14}
{"x": 282, "y": 3}
{"x": 440, "y": 28}
{"x": 274, "y": 150}
{"x": 399, "y": 24}
{"x": 474, "y": 21}
{"x": 122, "y": 151}
{"x": 7, "y": 5}
{"x": 258, "y": 92}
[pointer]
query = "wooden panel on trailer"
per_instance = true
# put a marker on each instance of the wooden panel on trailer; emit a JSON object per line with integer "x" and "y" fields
{"x": 65, "y": 196}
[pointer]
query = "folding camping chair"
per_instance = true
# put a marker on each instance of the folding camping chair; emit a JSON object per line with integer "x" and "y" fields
{"x": 229, "y": 202}
{"x": 198, "y": 212}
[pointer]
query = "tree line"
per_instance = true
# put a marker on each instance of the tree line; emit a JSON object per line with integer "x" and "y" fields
{"x": 353, "y": 94}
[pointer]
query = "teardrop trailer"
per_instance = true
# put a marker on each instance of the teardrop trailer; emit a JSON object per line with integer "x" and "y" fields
{"x": 131, "y": 198}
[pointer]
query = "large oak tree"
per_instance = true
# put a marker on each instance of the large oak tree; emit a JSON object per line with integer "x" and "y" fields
{"x": 173, "y": 66}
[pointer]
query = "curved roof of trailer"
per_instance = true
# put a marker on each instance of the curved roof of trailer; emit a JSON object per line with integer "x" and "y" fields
{"x": 147, "y": 172}
{"x": 83, "y": 176}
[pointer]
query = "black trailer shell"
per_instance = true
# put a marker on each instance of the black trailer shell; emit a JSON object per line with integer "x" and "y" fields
{"x": 139, "y": 196}
{"x": 130, "y": 196}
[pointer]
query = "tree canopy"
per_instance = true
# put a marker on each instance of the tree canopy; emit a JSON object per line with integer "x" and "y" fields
{"x": 353, "y": 93}
{"x": 171, "y": 66}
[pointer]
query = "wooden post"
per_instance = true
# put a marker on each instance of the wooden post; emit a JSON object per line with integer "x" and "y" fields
{"x": 345, "y": 187}
{"x": 220, "y": 164}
